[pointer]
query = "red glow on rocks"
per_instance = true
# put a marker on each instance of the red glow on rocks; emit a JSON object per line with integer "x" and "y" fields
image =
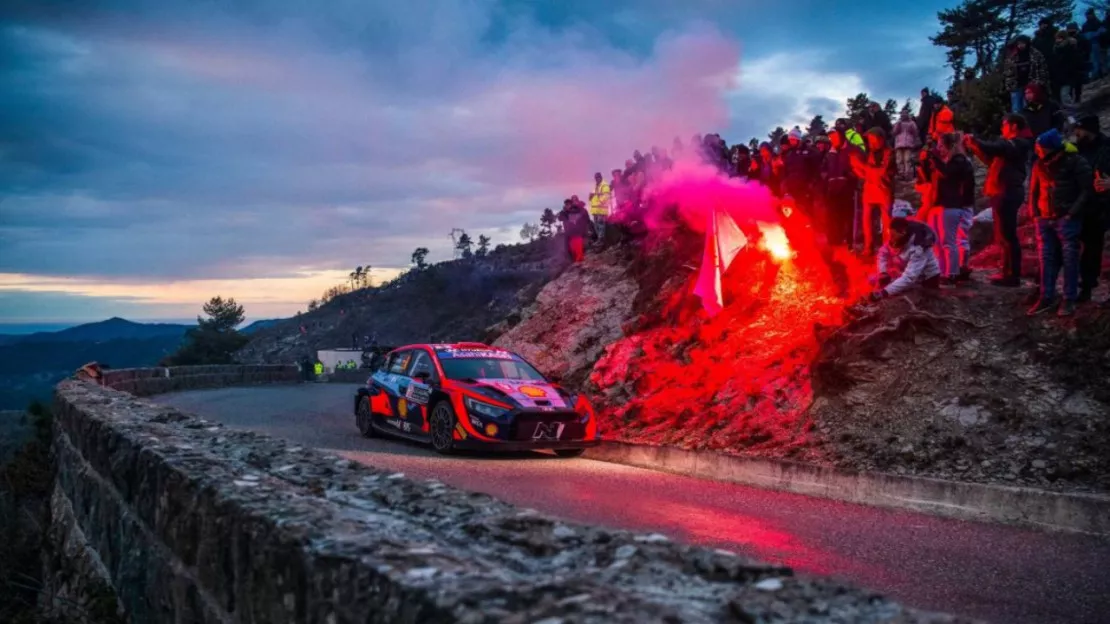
{"x": 738, "y": 380}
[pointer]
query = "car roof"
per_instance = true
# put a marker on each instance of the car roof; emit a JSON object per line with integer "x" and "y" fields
{"x": 452, "y": 346}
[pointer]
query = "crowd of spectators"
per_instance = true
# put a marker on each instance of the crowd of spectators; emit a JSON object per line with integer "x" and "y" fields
{"x": 843, "y": 179}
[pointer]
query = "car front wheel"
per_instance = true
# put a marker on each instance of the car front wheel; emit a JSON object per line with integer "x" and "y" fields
{"x": 443, "y": 428}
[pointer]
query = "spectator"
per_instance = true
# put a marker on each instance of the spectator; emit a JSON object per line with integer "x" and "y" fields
{"x": 1006, "y": 160}
{"x": 800, "y": 165}
{"x": 1067, "y": 68}
{"x": 923, "y": 183}
{"x": 577, "y": 227}
{"x": 905, "y": 142}
{"x": 768, "y": 172}
{"x": 1059, "y": 190}
{"x": 943, "y": 121}
{"x": 1044, "y": 38}
{"x": 925, "y": 113}
{"x": 1084, "y": 50}
{"x": 660, "y": 156}
{"x": 840, "y": 186}
{"x": 906, "y": 259}
{"x": 619, "y": 192}
{"x": 850, "y": 134}
{"x": 1094, "y": 147}
{"x": 876, "y": 117}
{"x": 953, "y": 185}
{"x": 741, "y": 162}
{"x": 1041, "y": 113}
{"x": 1093, "y": 31}
{"x": 876, "y": 169}
{"x": 601, "y": 199}
{"x": 1023, "y": 65}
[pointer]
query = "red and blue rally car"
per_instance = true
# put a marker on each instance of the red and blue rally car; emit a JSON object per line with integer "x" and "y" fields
{"x": 470, "y": 395}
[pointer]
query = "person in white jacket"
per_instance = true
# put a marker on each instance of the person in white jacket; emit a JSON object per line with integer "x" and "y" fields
{"x": 906, "y": 142}
{"x": 906, "y": 260}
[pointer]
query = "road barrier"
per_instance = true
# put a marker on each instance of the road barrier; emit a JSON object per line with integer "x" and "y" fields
{"x": 1043, "y": 509}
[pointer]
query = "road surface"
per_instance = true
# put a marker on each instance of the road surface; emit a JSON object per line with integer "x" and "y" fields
{"x": 997, "y": 573}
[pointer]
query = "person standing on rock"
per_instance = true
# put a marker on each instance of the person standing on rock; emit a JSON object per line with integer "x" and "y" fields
{"x": 953, "y": 188}
{"x": 1041, "y": 113}
{"x": 876, "y": 169}
{"x": 1061, "y": 186}
{"x": 576, "y": 227}
{"x": 905, "y": 142}
{"x": 1024, "y": 65}
{"x": 840, "y": 186}
{"x": 1006, "y": 160}
{"x": 925, "y": 113}
{"x": 1094, "y": 147}
{"x": 600, "y": 202}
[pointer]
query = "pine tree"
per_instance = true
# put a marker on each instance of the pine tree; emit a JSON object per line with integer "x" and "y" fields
{"x": 547, "y": 223}
{"x": 418, "y": 256}
{"x": 856, "y": 106}
{"x": 462, "y": 245}
{"x": 891, "y": 108}
{"x": 907, "y": 107}
{"x": 483, "y": 246}
{"x": 817, "y": 126}
{"x": 776, "y": 135}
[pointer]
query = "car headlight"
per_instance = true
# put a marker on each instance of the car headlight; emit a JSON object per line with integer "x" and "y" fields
{"x": 484, "y": 409}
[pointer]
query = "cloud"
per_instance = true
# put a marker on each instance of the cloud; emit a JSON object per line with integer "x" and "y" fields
{"x": 178, "y": 143}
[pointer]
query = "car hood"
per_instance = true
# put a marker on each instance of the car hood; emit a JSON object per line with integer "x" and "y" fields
{"x": 532, "y": 394}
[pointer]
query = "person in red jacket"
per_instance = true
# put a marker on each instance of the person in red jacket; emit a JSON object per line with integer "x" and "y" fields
{"x": 943, "y": 122}
{"x": 876, "y": 169}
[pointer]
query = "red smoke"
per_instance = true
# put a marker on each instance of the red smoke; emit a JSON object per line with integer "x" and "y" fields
{"x": 738, "y": 379}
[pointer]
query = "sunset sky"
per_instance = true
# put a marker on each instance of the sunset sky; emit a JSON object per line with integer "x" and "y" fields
{"x": 158, "y": 152}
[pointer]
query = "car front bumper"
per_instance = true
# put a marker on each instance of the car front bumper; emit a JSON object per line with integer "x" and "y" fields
{"x": 509, "y": 446}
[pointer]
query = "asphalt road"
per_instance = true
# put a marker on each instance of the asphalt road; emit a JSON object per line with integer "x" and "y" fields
{"x": 997, "y": 573}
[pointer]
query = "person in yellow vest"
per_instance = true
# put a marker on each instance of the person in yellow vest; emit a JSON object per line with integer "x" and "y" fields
{"x": 318, "y": 369}
{"x": 601, "y": 200}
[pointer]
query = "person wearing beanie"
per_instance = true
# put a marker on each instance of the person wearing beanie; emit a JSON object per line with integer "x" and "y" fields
{"x": 876, "y": 169}
{"x": 906, "y": 259}
{"x": 1094, "y": 147}
{"x": 1041, "y": 113}
{"x": 800, "y": 164}
{"x": 1067, "y": 67}
{"x": 839, "y": 184}
{"x": 1006, "y": 160}
{"x": 1061, "y": 187}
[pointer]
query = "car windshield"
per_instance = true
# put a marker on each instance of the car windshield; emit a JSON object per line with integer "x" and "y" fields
{"x": 488, "y": 368}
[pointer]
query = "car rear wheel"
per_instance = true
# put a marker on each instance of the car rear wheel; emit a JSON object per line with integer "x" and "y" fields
{"x": 570, "y": 452}
{"x": 442, "y": 427}
{"x": 364, "y": 418}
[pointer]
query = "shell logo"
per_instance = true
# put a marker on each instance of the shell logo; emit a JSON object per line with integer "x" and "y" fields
{"x": 533, "y": 392}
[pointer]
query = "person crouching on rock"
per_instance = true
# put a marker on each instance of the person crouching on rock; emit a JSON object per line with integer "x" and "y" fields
{"x": 576, "y": 227}
{"x": 906, "y": 260}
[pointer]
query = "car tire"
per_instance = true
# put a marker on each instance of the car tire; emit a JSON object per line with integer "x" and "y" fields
{"x": 570, "y": 452}
{"x": 442, "y": 425}
{"x": 364, "y": 418}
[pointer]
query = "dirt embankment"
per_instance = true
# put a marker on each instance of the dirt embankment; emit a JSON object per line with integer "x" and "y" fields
{"x": 956, "y": 384}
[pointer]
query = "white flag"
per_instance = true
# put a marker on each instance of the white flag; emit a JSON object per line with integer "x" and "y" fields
{"x": 723, "y": 240}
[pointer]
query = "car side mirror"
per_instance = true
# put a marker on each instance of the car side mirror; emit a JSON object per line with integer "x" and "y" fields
{"x": 422, "y": 375}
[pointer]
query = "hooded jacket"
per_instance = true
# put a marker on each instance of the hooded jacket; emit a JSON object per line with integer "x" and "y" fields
{"x": 906, "y": 134}
{"x": 915, "y": 261}
{"x": 576, "y": 221}
{"x": 944, "y": 121}
{"x": 1006, "y": 160}
{"x": 1038, "y": 66}
{"x": 1061, "y": 185}
{"x": 1041, "y": 114}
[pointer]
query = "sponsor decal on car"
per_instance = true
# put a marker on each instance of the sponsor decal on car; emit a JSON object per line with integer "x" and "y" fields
{"x": 475, "y": 354}
{"x": 548, "y": 431}
{"x": 402, "y": 408}
{"x": 418, "y": 394}
{"x": 529, "y": 393}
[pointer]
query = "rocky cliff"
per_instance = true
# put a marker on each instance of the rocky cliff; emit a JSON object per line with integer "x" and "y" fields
{"x": 956, "y": 384}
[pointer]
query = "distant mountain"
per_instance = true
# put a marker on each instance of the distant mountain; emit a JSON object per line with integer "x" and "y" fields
{"x": 112, "y": 329}
{"x": 257, "y": 325}
{"x": 30, "y": 365}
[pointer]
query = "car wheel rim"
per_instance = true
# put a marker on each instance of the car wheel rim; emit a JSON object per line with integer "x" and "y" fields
{"x": 441, "y": 429}
{"x": 363, "y": 417}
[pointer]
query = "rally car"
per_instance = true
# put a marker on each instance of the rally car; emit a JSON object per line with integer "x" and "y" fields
{"x": 473, "y": 396}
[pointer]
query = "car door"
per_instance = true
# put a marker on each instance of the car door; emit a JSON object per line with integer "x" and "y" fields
{"x": 390, "y": 384}
{"x": 417, "y": 391}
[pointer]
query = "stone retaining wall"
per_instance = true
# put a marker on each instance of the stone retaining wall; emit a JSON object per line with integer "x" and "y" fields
{"x": 150, "y": 381}
{"x": 187, "y": 521}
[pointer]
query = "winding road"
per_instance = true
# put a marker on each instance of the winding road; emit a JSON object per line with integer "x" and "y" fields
{"x": 996, "y": 573}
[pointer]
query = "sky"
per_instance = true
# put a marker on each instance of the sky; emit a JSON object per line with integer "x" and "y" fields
{"x": 155, "y": 153}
